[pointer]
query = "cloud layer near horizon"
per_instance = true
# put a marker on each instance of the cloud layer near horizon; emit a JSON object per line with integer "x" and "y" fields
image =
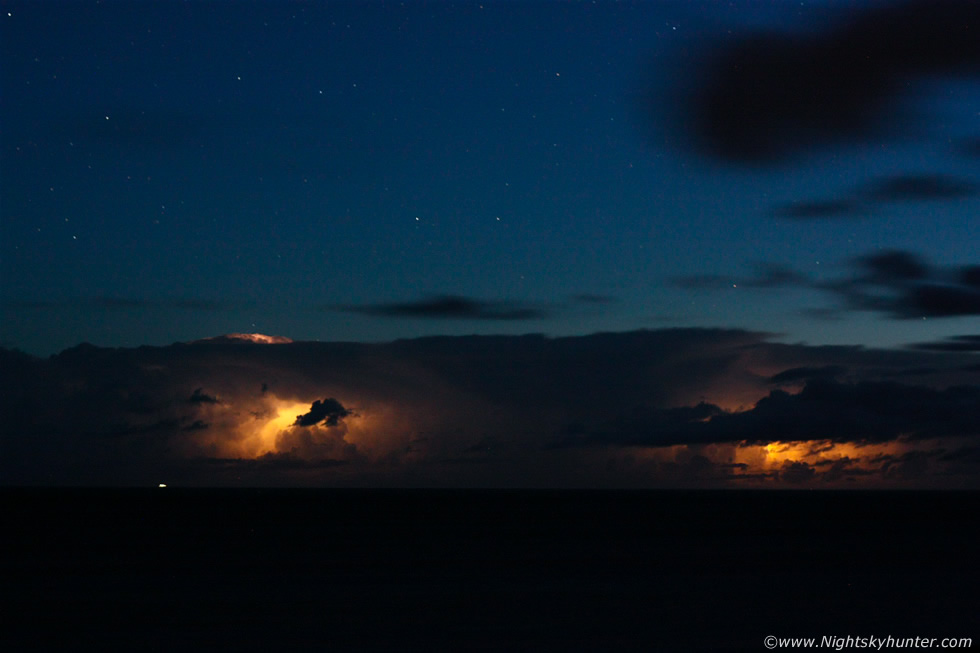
{"x": 677, "y": 407}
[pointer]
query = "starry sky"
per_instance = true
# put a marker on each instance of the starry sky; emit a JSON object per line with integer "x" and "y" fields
{"x": 370, "y": 171}
{"x": 508, "y": 244}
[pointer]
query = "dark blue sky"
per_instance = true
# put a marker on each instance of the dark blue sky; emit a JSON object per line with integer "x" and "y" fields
{"x": 369, "y": 171}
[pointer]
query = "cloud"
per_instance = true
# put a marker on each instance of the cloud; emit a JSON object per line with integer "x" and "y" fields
{"x": 329, "y": 411}
{"x": 952, "y": 343}
{"x": 771, "y": 275}
{"x": 451, "y": 307}
{"x": 768, "y": 275}
{"x": 806, "y": 373}
{"x": 818, "y": 210}
{"x": 904, "y": 188}
{"x": 824, "y": 410}
{"x": 764, "y": 97}
{"x": 893, "y": 267}
{"x": 573, "y": 411}
{"x": 701, "y": 282}
{"x": 897, "y": 283}
{"x": 796, "y": 472}
{"x": 199, "y": 397}
{"x": 897, "y": 188}
{"x": 901, "y": 284}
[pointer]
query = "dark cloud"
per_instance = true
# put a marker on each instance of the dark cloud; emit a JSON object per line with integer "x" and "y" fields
{"x": 644, "y": 427}
{"x": 764, "y": 97}
{"x": 771, "y": 275}
{"x": 525, "y": 406}
{"x": 968, "y": 454}
{"x": 452, "y": 307}
{"x": 796, "y": 472}
{"x": 893, "y": 267}
{"x": 970, "y": 276}
{"x": 905, "y": 188}
{"x": 841, "y": 469}
{"x": 329, "y": 411}
{"x": 910, "y": 465}
{"x": 272, "y": 462}
{"x": 901, "y": 284}
{"x": 199, "y": 397}
{"x": 818, "y": 210}
{"x": 797, "y": 374}
{"x": 912, "y": 371}
{"x": 899, "y": 188}
{"x": 953, "y": 343}
{"x": 823, "y": 410}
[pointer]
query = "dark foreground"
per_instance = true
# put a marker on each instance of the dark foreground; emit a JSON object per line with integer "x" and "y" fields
{"x": 327, "y": 570}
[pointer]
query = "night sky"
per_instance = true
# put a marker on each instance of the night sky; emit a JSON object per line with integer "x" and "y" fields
{"x": 729, "y": 192}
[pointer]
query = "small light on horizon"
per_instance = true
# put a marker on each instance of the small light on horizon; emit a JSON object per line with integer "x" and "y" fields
{"x": 163, "y": 485}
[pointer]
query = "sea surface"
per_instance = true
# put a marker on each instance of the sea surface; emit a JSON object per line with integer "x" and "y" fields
{"x": 480, "y": 570}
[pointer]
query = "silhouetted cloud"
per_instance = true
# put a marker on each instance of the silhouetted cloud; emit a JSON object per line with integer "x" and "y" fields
{"x": 796, "y": 472}
{"x": 818, "y": 210}
{"x": 893, "y": 267}
{"x": 901, "y": 284}
{"x": 567, "y": 411}
{"x": 897, "y": 188}
{"x": 768, "y": 275}
{"x": 807, "y": 373}
{"x": 199, "y": 397}
{"x": 272, "y": 462}
{"x": 765, "y": 96}
{"x": 771, "y": 275}
{"x": 329, "y": 411}
{"x": 452, "y": 307}
{"x": 904, "y": 188}
{"x": 969, "y": 275}
{"x": 953, "y": 343}
{"x": 897, "y": 283}
{"x": 823, "y": 410}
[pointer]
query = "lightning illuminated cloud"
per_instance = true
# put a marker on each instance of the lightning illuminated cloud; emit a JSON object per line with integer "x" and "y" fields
{"x": 678, "y": 407}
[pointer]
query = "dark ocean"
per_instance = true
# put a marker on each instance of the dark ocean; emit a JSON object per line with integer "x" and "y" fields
{"x": 480, "y": 570}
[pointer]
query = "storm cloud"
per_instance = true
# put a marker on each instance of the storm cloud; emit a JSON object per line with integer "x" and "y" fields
{"x": 673, "y": 407}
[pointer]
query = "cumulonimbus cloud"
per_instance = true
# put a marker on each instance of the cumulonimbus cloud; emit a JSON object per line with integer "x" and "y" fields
{"x": 697, "y": 404}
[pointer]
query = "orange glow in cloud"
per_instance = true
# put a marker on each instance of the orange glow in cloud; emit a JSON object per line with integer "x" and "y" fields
{"x": 264, "y": 441}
